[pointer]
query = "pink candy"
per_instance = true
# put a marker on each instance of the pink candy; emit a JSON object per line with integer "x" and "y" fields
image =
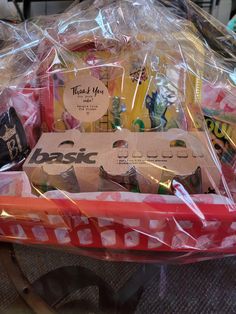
{"x": 220, "y": 98}
{"x": 25, "y": 100}
{"x": 15, "y": 184}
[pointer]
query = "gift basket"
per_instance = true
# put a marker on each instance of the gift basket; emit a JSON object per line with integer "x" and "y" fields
{"x": 118, "y": 131}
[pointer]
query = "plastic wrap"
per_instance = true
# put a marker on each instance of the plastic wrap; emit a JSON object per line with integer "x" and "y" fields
{"x": 118, "y": 131}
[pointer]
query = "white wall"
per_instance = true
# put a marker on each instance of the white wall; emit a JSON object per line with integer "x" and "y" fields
{"x": 7, "y": 9}
{"x": 48, "y": 7}
{"x": 222, "y": 12}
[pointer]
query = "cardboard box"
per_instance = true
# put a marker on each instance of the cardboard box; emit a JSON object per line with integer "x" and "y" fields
{"x": 95, "y": 158}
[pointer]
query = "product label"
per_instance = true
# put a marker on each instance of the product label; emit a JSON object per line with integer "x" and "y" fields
{"x": 13, "y": 143}
{"x": 222, "y": 139}
{"x": 40, "y": 157}
{"x": 86, "y": 98}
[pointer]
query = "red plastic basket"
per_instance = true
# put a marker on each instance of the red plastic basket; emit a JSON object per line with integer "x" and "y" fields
{"x": 118, "y": 225}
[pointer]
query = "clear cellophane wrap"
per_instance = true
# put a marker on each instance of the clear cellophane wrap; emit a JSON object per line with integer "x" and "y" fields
{"x": 118, "y": 131}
